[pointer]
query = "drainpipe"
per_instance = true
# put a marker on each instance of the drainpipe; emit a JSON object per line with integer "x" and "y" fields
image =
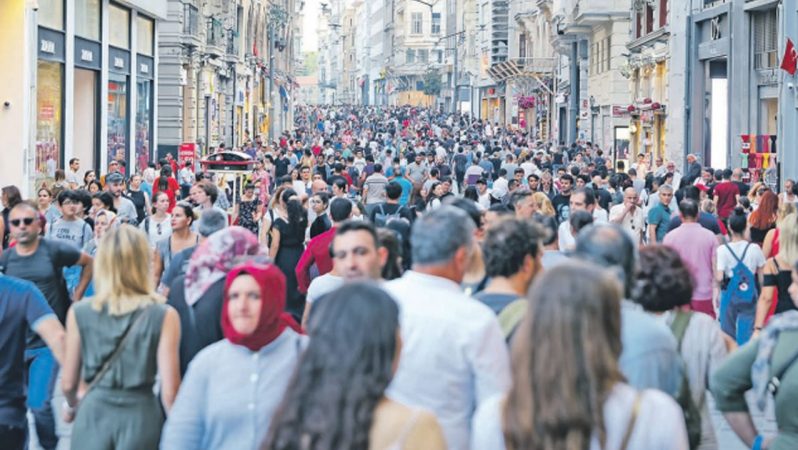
{"x": 573, "y": 101}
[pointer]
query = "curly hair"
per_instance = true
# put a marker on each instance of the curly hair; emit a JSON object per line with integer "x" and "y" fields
{"x": 508, "y": 243}
{"x": 663, "y": 281}
{"x": 330, "y": 401}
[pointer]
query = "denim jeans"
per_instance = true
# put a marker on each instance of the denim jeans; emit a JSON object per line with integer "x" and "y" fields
{"x": 13, "y": 438}
{"x": 737, "y": 319}
{"x": 42, "y": 373}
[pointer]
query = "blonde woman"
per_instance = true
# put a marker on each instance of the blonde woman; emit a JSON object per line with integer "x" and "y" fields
{"x": 778, "y": 274}
{"x": 543, "y": 204}
{"x": 770, "y": 246}
{"x": 116, "y": 342}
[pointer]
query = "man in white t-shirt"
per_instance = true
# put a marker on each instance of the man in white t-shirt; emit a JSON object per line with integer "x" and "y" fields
{"x": 629, "y": 216}
{"x": 581, "y": 199}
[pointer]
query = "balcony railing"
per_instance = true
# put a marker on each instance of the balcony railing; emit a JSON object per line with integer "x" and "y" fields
{"x": 215, "y": 35}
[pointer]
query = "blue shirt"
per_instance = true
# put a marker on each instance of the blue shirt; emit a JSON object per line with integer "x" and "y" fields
{"x": 22, "y": 308}
{"x": 649, "y": 359}
{"x": 407, "y": 189}
{"x": 659, "y": 216}
{"x": 230, "y": 393}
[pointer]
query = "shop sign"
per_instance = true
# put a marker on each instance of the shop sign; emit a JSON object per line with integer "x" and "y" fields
{"x": 120, "y": 60}
{"x": 187, "y": 151}
{"x": 50, "y": 44}
{"x": 87, "y": 54}
{"x": 145, "y": 67}
{"x": 619, "y": 111}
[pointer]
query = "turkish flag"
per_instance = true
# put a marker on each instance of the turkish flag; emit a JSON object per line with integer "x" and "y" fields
{"x": 789, "y": 62}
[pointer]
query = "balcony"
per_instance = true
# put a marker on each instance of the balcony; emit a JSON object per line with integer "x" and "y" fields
{"x": 215, "y": 37}
{"x": 597, "y": 12}
{"x": 522, "y": 67}
{"x": 191, "y": 29}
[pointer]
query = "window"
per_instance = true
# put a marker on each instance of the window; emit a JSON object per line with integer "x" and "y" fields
{"x": 117, "y": 117}
{"x": 190, "y": 19}
{"x": 638, "y": 24}
{"x": 439, "y": 56}
{"x": 423, "y": 55}
{"x": 607, "y": 57}
{"x": 144, "y": 33}
{"x": 51, "y": 14}
{"x": 436, "y": 23}
{"x": 49, "y": 97}
{"x": 416, "y": 20}
{"x": 663, "y": 13}
{"x": 119, "y": 26}
{"x": 649, "y": 18}
{"x": 410, "y": 56}
{"x": 766, "y": 40}
{"x": 522, "y": 45}
{"x": 87, "y": 19}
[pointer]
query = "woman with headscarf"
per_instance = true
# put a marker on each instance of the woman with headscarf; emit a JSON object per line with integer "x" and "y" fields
{"x": 198, "y": 296}
{"x": 234, "y": 386}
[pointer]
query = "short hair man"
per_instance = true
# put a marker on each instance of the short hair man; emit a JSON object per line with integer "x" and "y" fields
{"x": 659, "y": 215}
{"x": 125, "y": 209}
{"x": 512, "y": 251}
{"x": 72, "y": 175}
{"x": 582, "y": 199}
{"x": 629, "y": 215}
{"x": 698, "y": 248}
{"x": 42, "y": 262}
{"x": 454, "y": 356}
{"x": 524, "y": 204}
{"x": 318, "y": 250}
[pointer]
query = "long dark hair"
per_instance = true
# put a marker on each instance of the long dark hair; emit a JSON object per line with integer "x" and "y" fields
{"x": 564, "y": 360}
{"x": 297, "y": 216}
{"x": 163, "y": 180}
{"x": 329, "y": 403}
{"x": 13, "y": 196}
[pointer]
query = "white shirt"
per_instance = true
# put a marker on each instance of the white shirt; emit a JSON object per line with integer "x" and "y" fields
{"x": 566, "y": 240}
{"x": 754, "y": 258}
{"x": 323, "y": 285}
{"x": 659, "y": 424}
{"x": 453, "y": 353}
{"x": 633, "y": 223}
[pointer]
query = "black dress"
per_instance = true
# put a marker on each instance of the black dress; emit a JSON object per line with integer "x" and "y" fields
{"x": 138, "y": 199}
{"x": 292, "y": 238}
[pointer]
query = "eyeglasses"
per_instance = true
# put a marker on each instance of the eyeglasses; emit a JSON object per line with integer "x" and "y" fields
{"x": 26, "y": 221}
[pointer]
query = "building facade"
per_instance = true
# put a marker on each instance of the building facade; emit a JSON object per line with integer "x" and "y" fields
{"x": 84, "y": 89}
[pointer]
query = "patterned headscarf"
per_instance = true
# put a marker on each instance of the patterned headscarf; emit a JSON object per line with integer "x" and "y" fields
{"x": 217, "y": 256}
{"x": 761, "y": 369}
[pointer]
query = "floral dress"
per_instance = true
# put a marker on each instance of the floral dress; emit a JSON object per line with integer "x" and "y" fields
{"x": 246, "y": 214}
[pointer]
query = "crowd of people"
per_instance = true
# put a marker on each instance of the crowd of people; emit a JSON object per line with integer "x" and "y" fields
{"x": 399, "y": 278}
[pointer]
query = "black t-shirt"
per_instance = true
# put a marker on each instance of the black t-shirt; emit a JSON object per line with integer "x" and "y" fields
{"x": 562, "y": 205}
{"x": 199, "y": 324}
{"x": 744, "y": 188}
{"x": 281, "y": 167}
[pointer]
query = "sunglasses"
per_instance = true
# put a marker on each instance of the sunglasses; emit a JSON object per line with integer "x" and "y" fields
{"x": 26, "y": 221}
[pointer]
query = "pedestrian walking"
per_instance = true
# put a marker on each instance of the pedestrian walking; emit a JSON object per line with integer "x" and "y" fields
{"x": 116, "y": 343}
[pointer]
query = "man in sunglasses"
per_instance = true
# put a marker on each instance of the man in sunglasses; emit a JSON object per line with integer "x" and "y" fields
{"x": 42, "y": 262}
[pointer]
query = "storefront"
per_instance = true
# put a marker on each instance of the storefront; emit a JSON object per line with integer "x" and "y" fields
{"x": 145, "y": 93}
{"x": 49, "y": 153}
{"x": 118, "y": 84}
{"x": 492, "y": 104}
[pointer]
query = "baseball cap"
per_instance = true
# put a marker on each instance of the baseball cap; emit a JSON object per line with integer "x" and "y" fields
{"x": 115, "y": 177}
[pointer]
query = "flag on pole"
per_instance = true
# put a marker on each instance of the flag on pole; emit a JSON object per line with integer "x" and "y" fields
{"x": 789, "y": 62}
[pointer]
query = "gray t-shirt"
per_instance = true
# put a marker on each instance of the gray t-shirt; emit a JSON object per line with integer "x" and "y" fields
{"x": 322, "y": 285}
{"x": 43, "y": 268}
{"x": 126, "y": 211}
{"x": 76, "y": 232}
{"x": 376, "y": 184}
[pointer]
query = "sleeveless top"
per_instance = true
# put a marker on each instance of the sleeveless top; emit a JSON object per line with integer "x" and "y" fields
{"x": 100, "y": 333}
{"x": 781, "y": 281}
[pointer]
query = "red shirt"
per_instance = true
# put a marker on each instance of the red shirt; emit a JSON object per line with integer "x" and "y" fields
{"x": 727, "y": 193}
{"x": 170, "y": 192}
{"x": 318, "y": 252}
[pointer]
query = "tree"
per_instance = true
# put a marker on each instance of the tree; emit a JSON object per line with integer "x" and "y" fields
{"x": 432, "y": 82}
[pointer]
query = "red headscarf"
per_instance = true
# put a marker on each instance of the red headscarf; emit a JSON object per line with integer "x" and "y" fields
{"x": 273, "y": 320}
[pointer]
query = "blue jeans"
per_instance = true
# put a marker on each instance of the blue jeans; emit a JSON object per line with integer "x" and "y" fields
{"x": 42, "y": 373}
{"x": 737, "y": 319}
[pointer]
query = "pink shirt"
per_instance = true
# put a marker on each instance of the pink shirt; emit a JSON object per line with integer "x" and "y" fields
{"x": 696, "y": 245}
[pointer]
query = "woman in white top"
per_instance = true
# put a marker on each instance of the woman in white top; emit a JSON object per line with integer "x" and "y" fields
{"x": 568, "y": 391}
{"x": 158, "y": 225}
{"x": 738, "y": 320}
{"x": 664, "y": 288}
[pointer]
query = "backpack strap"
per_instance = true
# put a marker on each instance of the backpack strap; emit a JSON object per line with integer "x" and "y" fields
{"x": 679, "y": 326}
{"x": 738, "y": 259}
{"x": 745, "y": 251}
{"x": 511, "y": 316}
{"x": 632, "y": 420}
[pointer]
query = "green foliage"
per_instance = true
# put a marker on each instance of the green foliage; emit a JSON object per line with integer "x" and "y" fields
{"x": 432, "y": 82}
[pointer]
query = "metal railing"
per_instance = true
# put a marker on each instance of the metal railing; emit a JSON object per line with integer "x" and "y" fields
{"x": 190, "y": 20}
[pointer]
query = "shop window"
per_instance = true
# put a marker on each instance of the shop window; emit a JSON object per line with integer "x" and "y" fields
{"x": 117, "y": 117}
{"x": 143, "y": 123}
{"x": 119, "y": 26}
{"x": 49, "y": 100}
{"x": 51, "y": 14}
{"x": 144, "y": 35}
{"x": 766, "y": 33}
{"x": 87, "y": 19}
